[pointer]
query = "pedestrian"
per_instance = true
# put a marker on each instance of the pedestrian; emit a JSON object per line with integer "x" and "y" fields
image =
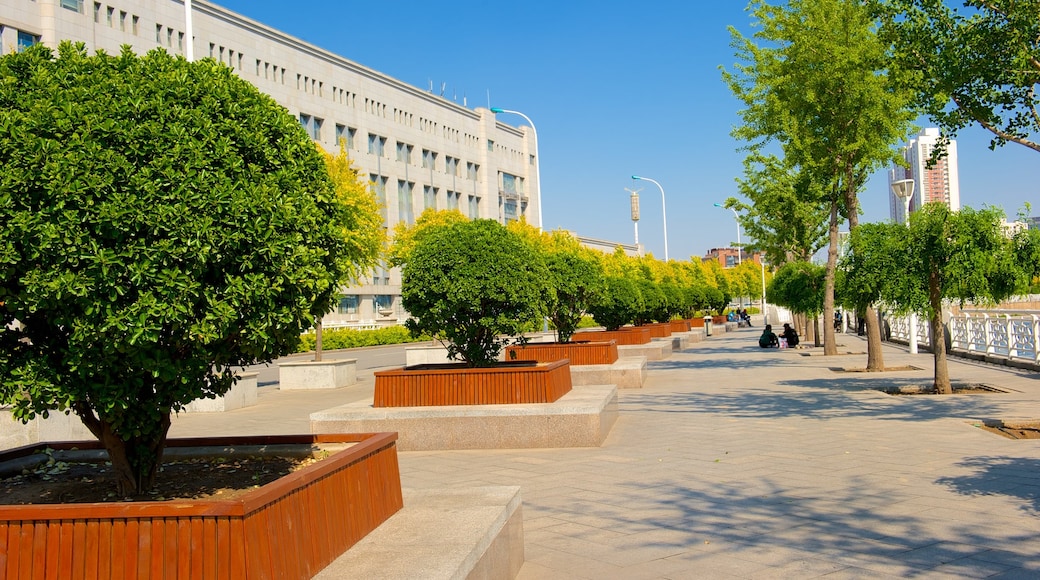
{"x": 768, "y": 338}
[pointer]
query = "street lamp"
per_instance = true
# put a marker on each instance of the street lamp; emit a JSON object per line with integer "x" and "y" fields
{"x": 189, "y": 50}
{"x": 737, "y": 218}
{"x": 664, "y": 214}
{"x": 537, "y": 158}
{"x": 904, "y": 190}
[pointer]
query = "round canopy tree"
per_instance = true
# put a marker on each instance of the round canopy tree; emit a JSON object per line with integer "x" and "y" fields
{"x": 475, "y": 283}
{"x": 161, "y": 223}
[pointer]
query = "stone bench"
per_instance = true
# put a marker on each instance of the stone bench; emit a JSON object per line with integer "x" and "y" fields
{"x": 626, "y": 373}
{"x": 312, "y": 375}
{"x": 653, "y": 350}
{"x": 581, "y": 418}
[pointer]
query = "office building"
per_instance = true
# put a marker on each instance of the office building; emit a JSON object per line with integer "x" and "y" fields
{"x": 419, "y": 149}
{"x": 938, "y": 183}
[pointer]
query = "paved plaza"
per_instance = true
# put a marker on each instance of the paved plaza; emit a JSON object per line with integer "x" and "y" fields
{"x": 738, "y": 462}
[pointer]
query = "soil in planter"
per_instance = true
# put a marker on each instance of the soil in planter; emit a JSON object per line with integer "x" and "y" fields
{"x": 189, "y": 478}
{"x": 1030, "y": 430}
{"x": 958, "y": 389}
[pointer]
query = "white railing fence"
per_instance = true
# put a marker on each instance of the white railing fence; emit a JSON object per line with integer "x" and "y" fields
{"x": 1013, "y": 335}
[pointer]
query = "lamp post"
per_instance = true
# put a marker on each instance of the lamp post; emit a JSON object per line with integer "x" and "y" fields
{"x": 189, "y": 49}
{"x": 737, "y": 218}
{"x": 664, "y": 214}
{"x": 904, "y": 190}
{"x": 537, "y": 158}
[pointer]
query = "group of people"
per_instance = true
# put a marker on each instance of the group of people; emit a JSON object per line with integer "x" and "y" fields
{"x": 769, "y": 339}
{"x": 740, "y": 315}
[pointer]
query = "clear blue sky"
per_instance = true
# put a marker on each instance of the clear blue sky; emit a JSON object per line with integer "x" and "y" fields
{"x": 615, "y": 88}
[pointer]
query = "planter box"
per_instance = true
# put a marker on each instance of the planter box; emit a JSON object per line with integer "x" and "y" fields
{"x": 626, "y": 335}
{"x": 323, "y": 374}
{"x": 681, "y": 325}
{"x": 718, "y": 320}
{"x": 455, "y": 384}
{"x": 696, "y": 322}
{"x": 289, "y": 528}
{"x": 579, "y": 353}
{"x": 658, "y": 329}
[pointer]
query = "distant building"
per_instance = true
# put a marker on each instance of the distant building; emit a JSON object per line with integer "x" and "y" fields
{"x": 727, "y": 257}
{"x": 938, "y": 183}
{"x": 1033, "y": 223}
{"x": 608, "y": 247}
{"x": 418, "y": 149}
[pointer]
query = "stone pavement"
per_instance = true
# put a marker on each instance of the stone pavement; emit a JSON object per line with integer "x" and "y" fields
{"x": 738, "y": 462}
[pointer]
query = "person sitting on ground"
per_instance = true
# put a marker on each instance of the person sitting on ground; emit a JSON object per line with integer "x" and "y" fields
{"x": 790, "y": 336}
{"x": 768, "y": 338}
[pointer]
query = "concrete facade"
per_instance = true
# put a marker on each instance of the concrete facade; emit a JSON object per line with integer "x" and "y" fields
{"x": 418, "y": 148}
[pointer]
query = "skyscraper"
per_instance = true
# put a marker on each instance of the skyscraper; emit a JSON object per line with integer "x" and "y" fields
{"x": 937, "y": 183}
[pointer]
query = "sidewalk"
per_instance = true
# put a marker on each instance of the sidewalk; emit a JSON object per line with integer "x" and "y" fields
{"x": 739, "y": 462}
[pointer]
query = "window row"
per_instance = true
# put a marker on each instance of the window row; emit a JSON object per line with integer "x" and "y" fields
{"x": 351, "y": 304}
{"x": 432, "y": 199}
{"x": 109, "y": 13}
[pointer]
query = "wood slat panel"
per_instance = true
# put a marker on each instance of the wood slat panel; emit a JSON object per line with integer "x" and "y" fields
{"x": 298, "y": 527}
{"x": 453, "y": 385}
{"x": 626, "y": 335}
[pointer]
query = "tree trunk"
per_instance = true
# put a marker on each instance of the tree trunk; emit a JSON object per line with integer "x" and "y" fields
{"x": 136, "y": 461}
{"x": 942, "y": 372}
{"x": 875, "y": 358}
{"x": 317, "y": 341}
{"x": 830, "y": 346}
{"x": 816, "y": 330}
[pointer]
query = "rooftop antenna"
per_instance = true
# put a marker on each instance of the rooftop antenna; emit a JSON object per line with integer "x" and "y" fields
{"x": 431, "y": 85}
{"x": 443, "y": 87}
{"x": 634, "y": 201}
{"x": 489, "y": 98}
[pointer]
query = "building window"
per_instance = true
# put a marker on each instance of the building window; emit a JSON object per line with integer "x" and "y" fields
{"x": 312, "y": 125}
{"x": 383, "y": 304}
{"x": 491, "y": 145}
{"x": 158, "y": 33}
{"x": 451, "y": 166}
{"x": 345, "y": 136}
{"x": 532, "y": 160}
{"x": 474, "y": 207}
{"x": 429, "y": 159}
{"x": 75, "y": 5}
{"x": 405, "y": 213}
{"x": 134, "y": 25}
{"x": 376, "y": 144}
{"x": 122, "y": 20}
{"x": 379, "y": 187}
{"x": 429, "y": 197}
{"x": 472, "y": 170}
{"x": 97, "y": 13}
{"x": 453, "y": 200}
{"x": 348, "y": 304}
{"x": 512, "y": 184}
{"x": 404, "y": 152}
{"x": 25, "y": 40}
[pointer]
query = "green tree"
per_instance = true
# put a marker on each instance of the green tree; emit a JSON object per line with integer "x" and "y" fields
{"x": 983, "y": 59}
{"x": 477, "y": 284}
{"x": 799, "y": 286}
{"x": 577, "y": 276}
{"x": 872, "y": 265}
{"x": 816, "y": 82}
{"x": 619, "y": 304}
{"x": 788, "y": 213}
{"x": 161, "y": 224}
{"x": 948, "y": 255}
{"x": 407, "y": 236}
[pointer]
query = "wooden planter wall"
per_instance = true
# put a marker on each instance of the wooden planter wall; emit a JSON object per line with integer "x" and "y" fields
{"x": 579, "y": 353}
{"x": 627, "y": 335}
{"x": 696, "y": 323}
{"x": 457, "y": 385}
{"x": 659, "y": 329}
{"x": 290, "y": 528}
{"x": 681, "y": 325}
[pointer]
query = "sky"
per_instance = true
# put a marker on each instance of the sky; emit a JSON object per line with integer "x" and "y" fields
{"x": 615, "y": 88}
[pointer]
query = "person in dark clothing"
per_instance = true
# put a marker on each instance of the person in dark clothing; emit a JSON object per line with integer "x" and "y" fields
{"x": 790, "y": 336}
{"x": 768, "y": 338}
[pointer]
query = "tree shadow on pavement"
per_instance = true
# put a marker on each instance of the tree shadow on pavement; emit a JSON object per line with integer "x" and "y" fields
{"x": 1015, "y": 477}
{"x": 817, "y": 398}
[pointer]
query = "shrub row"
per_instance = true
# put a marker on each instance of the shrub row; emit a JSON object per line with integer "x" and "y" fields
{"x": 336, "y": 338}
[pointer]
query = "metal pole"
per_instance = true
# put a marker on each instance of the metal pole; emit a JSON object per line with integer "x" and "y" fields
{"x": 664, "y": 213}
{"x": 537, "y": 160}
{"x": 189, "y": 48}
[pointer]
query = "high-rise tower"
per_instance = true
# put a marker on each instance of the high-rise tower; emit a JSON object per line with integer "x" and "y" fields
{"x": 937, "y": 183}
